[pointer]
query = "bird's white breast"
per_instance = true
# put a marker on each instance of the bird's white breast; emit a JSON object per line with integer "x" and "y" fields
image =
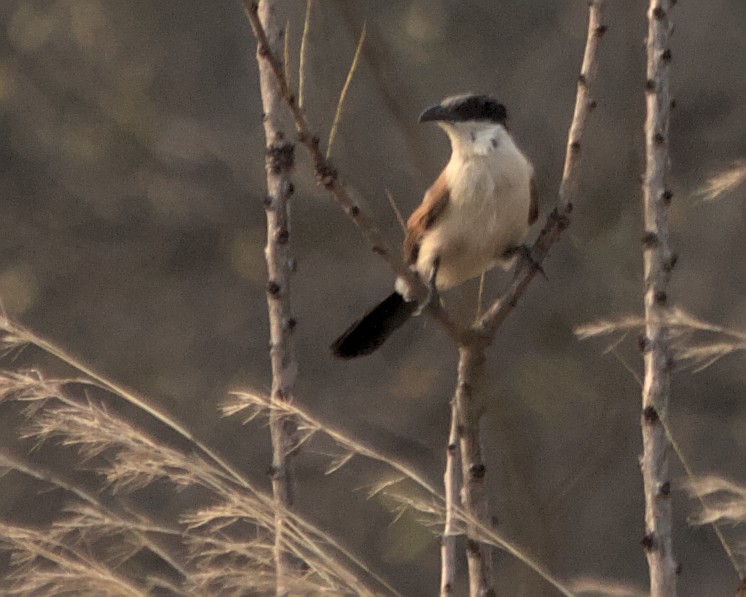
{"x": 489, "y": 181}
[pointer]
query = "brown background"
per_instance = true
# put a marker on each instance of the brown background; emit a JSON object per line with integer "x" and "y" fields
{"x": 132, "y": 231}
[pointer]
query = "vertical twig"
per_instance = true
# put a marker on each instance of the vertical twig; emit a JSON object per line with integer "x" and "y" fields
{"x": 279, "y": 163}
{"x": 473, "y": 495}
{"x": 450, "y": 529}
{"x": 657, "y": 262}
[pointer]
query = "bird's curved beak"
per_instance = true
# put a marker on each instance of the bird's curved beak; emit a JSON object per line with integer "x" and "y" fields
{"x": 434, "y": 113}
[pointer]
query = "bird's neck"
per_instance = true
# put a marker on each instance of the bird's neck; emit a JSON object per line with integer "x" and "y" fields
{"x": 477, "y": 139}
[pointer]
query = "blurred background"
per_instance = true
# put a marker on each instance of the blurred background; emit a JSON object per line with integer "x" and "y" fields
{"x": 132, "y": 233}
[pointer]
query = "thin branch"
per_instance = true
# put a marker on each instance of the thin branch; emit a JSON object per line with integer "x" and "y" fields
{"x": 657, "y": 265}
{"x": 396, "y": 210}
{"x": 559, "y": 219}
{"x": 451, "y": 484}
{"x": 279, "y": 165}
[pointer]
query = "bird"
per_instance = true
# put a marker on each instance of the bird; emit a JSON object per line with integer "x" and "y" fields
{"x": 474, "y": 217}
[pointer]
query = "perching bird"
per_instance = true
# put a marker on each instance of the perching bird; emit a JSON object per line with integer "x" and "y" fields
{"x": 474, "y": 216}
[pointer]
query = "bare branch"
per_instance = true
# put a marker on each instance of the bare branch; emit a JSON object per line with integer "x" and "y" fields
{"x": 559, "y": 218}
{"x": 279, "y": 164}
{"x": 657, "y": 265}
{"x": 451, "y": 484}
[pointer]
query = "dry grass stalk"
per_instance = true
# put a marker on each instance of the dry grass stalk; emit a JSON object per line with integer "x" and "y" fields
{"x": 129, "y": 459}
{"x": 279, "y": 165}
{"x": 424, "y": 497}
{"x": 303, "y": 54}
{"x": 343, "y": 93}
{"x": 722, "y": 502}
{"x": 695, "y": 343}
{"x": 47, "y": 564}
{"x": 724, "y": 183}
{"x": 657, "y": 265}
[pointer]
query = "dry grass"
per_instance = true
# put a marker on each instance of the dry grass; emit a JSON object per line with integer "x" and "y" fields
{"x": 407, "y": 487}
{"x": 221, "y": 547}
{"x": 697, "y": 344}
{"x": 724, "y": 183}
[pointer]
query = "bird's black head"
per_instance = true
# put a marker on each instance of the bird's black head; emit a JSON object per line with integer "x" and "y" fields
{"x": 463, "y": 108}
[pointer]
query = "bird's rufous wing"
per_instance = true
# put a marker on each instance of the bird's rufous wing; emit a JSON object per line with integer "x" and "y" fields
{"x": 425, "y": 216}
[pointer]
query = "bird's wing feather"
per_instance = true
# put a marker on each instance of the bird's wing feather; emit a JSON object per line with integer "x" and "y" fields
{"x": 425, "y": 216}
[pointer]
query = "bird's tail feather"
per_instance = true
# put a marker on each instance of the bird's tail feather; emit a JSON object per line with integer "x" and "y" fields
{"x": 367, "y": 334}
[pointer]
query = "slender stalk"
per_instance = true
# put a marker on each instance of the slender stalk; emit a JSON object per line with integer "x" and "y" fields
{"x": 451, "y": 483}
{"x": 279, "y": 164}
{"x": 473, "y": 493}
{"x": 657, "y": 264}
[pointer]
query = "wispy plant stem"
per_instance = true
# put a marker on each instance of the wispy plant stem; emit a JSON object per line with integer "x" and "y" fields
{"x": 279, "y": 164}
{"x": 343, "y": 93}
{"x": 657, "y": 264}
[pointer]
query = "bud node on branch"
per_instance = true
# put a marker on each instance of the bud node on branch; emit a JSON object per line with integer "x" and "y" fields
{"x": 282, "y": 235}
{"x": 648, "y": 542}
{"x": 477, "y": 471}
{"x": 273, "y": 288}
{"x": 280, "y": 157}
{"x": 650, "y": 415}
{"x": 643, "y": 343}
{"x": 650, "y": 240}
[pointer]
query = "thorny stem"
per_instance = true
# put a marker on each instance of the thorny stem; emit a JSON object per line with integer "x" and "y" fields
{"x": 657, "y": 265}
{"x": 279, "y": 164}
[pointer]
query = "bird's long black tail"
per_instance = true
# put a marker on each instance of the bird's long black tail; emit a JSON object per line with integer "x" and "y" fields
{"x": 367, "y": 334}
